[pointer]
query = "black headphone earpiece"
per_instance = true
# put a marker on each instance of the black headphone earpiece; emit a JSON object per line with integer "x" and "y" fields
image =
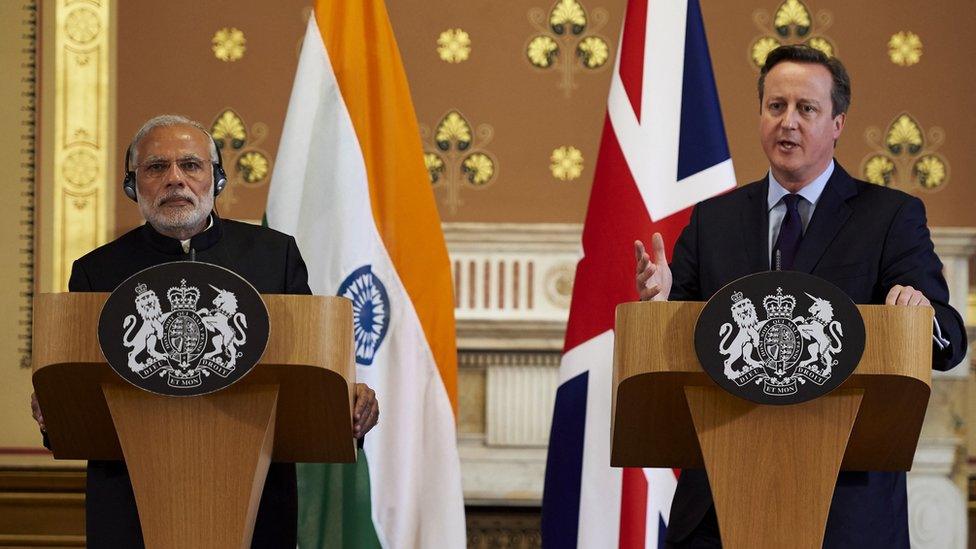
{"x": 129, "y": 181}
{"x": 219, "y": 175}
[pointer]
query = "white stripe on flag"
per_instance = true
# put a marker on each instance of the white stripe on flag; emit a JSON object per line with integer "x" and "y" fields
{"x": 661, "y": 484}
{"x": 599, "y": 511}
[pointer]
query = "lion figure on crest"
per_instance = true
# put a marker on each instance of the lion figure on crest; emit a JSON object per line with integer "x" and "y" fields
{"x": 227, "y": 338}
{"x": 746, "y": 339}
{"x": 823, "y": 346}
{"x": 150, "y": 332}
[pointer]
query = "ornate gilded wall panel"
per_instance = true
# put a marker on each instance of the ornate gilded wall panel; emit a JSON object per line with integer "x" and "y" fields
{"x": 80, "y": 168}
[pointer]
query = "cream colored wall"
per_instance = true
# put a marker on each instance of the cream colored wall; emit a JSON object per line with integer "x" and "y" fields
{"x": 17, "y": 428}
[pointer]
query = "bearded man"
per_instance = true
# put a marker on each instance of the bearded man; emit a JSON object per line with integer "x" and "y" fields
{"x": 173, "y": 173}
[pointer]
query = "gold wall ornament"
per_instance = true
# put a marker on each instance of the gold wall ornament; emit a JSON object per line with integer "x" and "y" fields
{"x": 790, "y": 24}
{"x": 566, "y": 163}
{"x": 228, "y": 44}
{"x": 246, "y": 164}
{"x": 254, "y": 167}
{"x": 568, "y": 41}
{"x": 456, "y": 158}
{"x": 905, "y": 48}
{"x": 558, "y": 282}
{"x": 76, "y": 188}
{"x": 905, "y": 156}
{"x": 80, "y": 168}
{"x": 82, "y": 25}
{"x": 454, "y": 46}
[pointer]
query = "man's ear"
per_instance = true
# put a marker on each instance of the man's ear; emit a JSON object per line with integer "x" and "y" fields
{"x": 839, "y": 124}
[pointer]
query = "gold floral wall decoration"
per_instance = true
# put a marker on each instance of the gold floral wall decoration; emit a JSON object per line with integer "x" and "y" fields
{"x": 906, "y": 156}
{"x": 566, "y": 163}
{"x": 246, "y": 165}
{"x": 456, "y": 157}
{"x": 559, "y": 284}
{"x": 905, "y": 48}
{"x": 228, "y": 44}
{"x": 790, "y": 24}
{"x": 568, "y": 41}
{"x": 454, "y": 46}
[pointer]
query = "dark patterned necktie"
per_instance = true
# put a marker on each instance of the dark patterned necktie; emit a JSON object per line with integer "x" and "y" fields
{"x": 790, "y": 234}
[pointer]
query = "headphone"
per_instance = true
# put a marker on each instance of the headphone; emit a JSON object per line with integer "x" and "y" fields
{"x": 219, "y": 175}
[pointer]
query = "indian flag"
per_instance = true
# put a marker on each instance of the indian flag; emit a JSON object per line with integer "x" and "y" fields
{"x": 351, "y": 186}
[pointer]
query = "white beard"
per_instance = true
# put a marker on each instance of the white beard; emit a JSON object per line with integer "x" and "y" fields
{"x": 181, "y": 221}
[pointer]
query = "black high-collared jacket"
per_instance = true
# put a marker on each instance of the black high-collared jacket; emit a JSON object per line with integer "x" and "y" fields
{"x": 266, "y": 258}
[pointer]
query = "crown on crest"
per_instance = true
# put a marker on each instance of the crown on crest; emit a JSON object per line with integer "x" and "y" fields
{"x": 779, "y": 305}
{"x": 736, "y": 297}
{"x": 185, "y": 297}
{"x": 144, "y": 294}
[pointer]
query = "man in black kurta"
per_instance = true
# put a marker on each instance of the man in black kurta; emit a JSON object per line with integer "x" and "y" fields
{"x": 267, "y": 259}
{"x": 173, "y": 172}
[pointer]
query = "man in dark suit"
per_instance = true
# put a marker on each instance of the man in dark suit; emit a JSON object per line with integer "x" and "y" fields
{"x": 173, "y": 173}
{"x": 808, "y": 215}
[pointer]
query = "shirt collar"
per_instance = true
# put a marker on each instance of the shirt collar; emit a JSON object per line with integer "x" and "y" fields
{"x": 198, "y": 242}
{"x": 187, "y": 243}
{"x": 810, "y": 192}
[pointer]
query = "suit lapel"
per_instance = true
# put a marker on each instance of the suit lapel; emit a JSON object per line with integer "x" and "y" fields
{"x": 755, "y": 226}
{"x": 829, "y": 216}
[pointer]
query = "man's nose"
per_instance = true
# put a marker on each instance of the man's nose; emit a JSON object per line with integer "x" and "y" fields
{"x": 791, "y": 119}
{"x": 175, "y": 175}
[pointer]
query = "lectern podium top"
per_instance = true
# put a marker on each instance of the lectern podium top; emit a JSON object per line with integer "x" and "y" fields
{"x": 309, "y": 355}
{"x": 654, "y": 359}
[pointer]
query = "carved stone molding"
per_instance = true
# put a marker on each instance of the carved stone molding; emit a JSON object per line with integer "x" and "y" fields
{"x": 956, "y": 247}
{"x": 500, "y": 476}
{"x": 936, "y": 508}
{"x": 506, "y": 272}
{"x": 519, "y": 405}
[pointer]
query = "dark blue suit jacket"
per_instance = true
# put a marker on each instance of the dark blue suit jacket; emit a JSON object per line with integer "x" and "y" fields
{"x": 862, "y": 238}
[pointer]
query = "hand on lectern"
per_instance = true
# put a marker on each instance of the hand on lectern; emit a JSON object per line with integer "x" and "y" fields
{"x": 36, "y": 412}
{"x": 906, "y": 295}
{"x": 653, "y": 277}
{"x": 366, "y": 410}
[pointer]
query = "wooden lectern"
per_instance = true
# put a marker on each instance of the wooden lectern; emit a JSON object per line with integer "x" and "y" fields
{"x": 198, "y": 464}
{"x": 772, "y": 469}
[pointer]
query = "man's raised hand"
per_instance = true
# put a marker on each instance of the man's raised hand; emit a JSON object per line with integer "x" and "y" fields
{"x": 653, "y": 276}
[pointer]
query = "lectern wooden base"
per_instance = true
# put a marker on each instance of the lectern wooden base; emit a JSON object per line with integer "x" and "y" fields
{"x": 198, "y": 464}
{"x": 772, "y": 468}
{"x": 768, "y": 468}
{"x": 198, "y": 476}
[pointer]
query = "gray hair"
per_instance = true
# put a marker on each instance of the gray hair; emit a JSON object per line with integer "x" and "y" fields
{"x": 166, "y": 120}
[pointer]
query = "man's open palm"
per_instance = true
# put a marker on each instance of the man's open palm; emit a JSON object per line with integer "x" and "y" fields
{"x": 653, "y": 276}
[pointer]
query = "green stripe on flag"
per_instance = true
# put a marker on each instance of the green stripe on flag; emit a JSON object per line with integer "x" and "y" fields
{"x": 334, "y": 507}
